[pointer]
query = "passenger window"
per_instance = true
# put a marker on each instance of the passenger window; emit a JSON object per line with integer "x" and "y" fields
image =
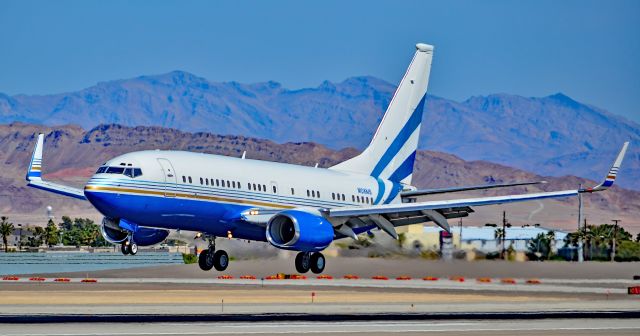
{"x": 333, "y": 196}
{"x": 234, "y": 184}
{"x": 206, "y": 181}
{"x": 275, "y": 191}
{"x": 308, "y": 194}
{"x": 353, "y": 198}
{"x": 264, "y": 187}
{"x": 190, "y": 181}
{"x": 343, "y": 197}
{"x": 184, "y": 179}
{"x": 318, "y": 194}
{"x": 239, "y": 185}
{"x": 201, "y": 181}
{"x": 228, "y": 184}
{"x": 292, "y": 192}
{"x": 217, "y": 183}
{"x": 313, "y": 193}
{"x": 249, "y": 186}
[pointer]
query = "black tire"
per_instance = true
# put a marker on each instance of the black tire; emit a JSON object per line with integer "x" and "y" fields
{"x": 303, "y": 262}
{"x": 132, "y": 248}
{"x": 205, "y": 260}
{"x": 317, "y": 263}
{"x": 220, "y": 260}
{"x": 124, "y": 249}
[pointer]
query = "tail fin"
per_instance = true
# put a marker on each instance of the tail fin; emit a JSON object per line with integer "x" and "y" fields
{"x": 392, "y": 151}
{"x": 35, "y": 166}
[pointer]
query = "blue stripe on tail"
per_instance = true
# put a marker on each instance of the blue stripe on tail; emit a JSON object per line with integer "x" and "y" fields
{"x": 404, "y": 134}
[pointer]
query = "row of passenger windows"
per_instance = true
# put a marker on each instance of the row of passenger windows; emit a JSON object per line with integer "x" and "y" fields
{"x": 263, "y": 188}
{"x": 212, "y": 182}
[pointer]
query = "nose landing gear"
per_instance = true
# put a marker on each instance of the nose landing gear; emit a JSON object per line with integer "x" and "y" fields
{"x": 210, "y": 258}
{"x": 306, "y": 261}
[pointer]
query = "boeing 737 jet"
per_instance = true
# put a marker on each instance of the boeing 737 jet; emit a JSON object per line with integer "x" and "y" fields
{"x": 143, "y": 195}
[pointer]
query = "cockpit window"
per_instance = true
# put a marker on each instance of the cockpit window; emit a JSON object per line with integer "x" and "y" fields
{"x": 115, "y": 170}
{"x": 131, "y": 172}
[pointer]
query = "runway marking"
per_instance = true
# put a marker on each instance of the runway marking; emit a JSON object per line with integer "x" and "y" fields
{"x": 315, "y": 331}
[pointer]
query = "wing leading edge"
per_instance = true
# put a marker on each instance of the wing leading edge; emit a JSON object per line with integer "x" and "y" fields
{"x": 34, "y": 175}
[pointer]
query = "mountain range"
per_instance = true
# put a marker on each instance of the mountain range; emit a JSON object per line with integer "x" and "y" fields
{"x": 553, "y": 135}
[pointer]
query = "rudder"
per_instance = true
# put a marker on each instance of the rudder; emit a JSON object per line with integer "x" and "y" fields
{"x": 391, "y": 153}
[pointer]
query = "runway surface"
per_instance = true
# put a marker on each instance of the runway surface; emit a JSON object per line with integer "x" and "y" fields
{"x": 453, "y": 327}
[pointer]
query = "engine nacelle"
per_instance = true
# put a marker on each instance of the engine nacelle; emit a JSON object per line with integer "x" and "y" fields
{"x": 113, "y": 233}
{"x": 299, "y": 231}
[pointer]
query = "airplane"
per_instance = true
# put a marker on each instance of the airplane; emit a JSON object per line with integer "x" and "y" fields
{"x": 144, "y": 194}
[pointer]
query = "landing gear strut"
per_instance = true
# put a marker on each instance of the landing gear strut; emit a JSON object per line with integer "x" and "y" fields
{"x": 306, "y": 261}
{"x": 210, "y": 258}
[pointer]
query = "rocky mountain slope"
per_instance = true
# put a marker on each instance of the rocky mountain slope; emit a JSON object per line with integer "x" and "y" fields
{"x": 552, "y": 135}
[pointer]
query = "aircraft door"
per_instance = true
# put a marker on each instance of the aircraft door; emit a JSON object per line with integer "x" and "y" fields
{"x": 170, "y": 178}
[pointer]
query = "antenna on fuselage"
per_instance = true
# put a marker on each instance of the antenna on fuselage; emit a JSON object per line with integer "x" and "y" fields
{"x": 244, "y": 154}
{"x": 316, "y": 166}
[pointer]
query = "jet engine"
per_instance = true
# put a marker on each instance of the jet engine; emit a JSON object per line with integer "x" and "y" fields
{"x": 299, "y": 231}
{"x": 113, "y": 233}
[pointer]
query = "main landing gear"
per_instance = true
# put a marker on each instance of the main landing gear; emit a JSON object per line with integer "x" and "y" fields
{"x": 129, "y": 247}
{"x": 211, "y": 258}
{"x": 306, "y": 261}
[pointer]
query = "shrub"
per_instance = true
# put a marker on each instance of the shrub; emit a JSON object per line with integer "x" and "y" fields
{"x": 189, "y": 258}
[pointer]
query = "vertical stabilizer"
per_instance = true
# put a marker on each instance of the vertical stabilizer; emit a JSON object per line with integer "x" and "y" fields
{"x": 392, "y": 151}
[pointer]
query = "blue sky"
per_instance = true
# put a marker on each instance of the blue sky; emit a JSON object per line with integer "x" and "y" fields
{"x": 589, "y": 50}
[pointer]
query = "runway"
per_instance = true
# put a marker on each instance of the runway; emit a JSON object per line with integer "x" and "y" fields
{"x": 453, "y": 327}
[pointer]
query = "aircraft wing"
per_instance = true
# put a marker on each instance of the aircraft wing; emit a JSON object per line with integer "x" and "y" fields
{"x": 387, "y": 216}
{"x": 34, "y": 175}
{"x": 424, "y": 192}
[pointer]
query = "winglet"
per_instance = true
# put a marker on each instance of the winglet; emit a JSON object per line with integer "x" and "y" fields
{"x": 35, "y": 166}
{"x": 613, "y": 172}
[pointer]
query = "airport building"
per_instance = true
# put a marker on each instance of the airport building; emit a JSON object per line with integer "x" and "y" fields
{"x": 480, "y": 239}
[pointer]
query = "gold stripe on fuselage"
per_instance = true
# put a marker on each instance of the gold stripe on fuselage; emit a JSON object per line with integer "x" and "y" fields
{"x": 191, "y": 196}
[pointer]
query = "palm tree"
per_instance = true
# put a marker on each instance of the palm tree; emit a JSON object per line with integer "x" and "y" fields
{"x": 6, "y": 229}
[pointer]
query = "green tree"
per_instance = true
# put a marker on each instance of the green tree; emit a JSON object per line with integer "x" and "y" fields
{"x": 628, "y": 250}
{"x": 37, "y": 236}
{"x": 6, "y": 229}
{"x": 81, "y": 232}
{"x": 541, "y": 245}
{"x": 52, "y": 234}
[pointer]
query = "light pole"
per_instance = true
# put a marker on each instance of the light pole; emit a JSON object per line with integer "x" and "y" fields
{"x": 19, "y": 237}
{"x": 615, "y": 234}
{"x": 580, "y": 243}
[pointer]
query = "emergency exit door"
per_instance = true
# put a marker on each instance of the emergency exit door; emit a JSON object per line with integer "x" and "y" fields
{"x": 170, "y": 178}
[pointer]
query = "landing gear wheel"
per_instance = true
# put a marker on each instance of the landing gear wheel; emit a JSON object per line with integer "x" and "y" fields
{"x": 317, "y": 263}
{"x": 205, "y": 260}
{"x": 132, "y": 248}
{"x": 220, "y": 260}
{"x": 124, "y": 249}
{"x": 303, "y": 262}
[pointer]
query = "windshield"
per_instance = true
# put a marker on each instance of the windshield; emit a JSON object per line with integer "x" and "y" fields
{"x": 128, "y": 171}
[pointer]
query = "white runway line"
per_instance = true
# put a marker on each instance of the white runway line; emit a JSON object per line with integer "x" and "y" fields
{"x": 320, "y": 327}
